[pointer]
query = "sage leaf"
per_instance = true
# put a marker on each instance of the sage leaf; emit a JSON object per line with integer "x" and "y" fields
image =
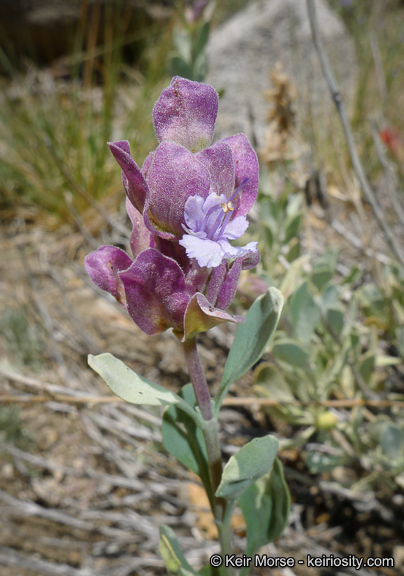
{"x": 265, "y": 506}
{"x": 129, "y": 385}
{"x": 289, "y": 351}
{"x": 303, "y": 314}
{"x": 184, "y": 440}
{"x": 172, "y": 555}
{"x": 251, "y": 339}
{"x": 250, "y": 463}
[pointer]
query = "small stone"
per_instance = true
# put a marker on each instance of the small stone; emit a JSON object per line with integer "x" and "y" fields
{"x": 47, "y": 437}
{"x": 243, "y": 51}
{"x": 7, "y": 471}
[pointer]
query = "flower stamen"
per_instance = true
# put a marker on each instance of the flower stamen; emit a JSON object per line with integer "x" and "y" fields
{"x": 224, "y": 224}
{"x": 215, "y": 226}
{"x": 238, "y": 189}
{"x": 226, "y": 206}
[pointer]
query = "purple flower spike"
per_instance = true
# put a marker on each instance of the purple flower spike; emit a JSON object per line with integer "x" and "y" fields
{"x": 209, "y": 229}
{"x": 186, "y": 203}
{"x": 103, "y": 267}
{"x": 186, "y": 114}
{"x": 156, "y": 292}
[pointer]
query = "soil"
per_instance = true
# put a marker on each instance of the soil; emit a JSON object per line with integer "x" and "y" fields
{"x": 84, "y": 484}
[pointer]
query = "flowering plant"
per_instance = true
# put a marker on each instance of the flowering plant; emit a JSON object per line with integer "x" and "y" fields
{"x": 186, "y": 203}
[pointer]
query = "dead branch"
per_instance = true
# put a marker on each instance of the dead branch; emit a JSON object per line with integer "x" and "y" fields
{"x": 29, "y": 508}
{"x": 46, "y": 319}
{"x": 356, "y": 162}
{"x": 82, "y": 191}
{"x": 239, "y": 401}
{"x": 72, "y": 314}
{"x": 9, "y": 557}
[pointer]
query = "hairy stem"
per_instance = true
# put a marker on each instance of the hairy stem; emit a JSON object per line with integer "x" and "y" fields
{"x": 222, "y": 510}
{"x": 198, "y": 379}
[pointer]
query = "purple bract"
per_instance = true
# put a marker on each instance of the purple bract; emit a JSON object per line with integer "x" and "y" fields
{"x": 185, "y": 204}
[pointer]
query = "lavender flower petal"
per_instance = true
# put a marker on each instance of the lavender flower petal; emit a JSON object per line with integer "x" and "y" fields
{"x": 230, "y": 251}
{"x": 103, "y": 267}
{"x": 186, "y": 113}
{"x": 194, "y": 212}
{"x": 206, "y": 239}
{"x": 207, "y": 252}
{"x": 236, "y": 227}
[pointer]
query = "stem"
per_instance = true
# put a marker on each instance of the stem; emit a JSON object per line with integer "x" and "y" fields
{"x": 221, "y": 508}
{"x": 198, "y": 379}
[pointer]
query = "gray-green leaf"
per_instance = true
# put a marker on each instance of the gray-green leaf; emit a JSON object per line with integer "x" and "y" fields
{"x": 250, "y": 463}
{"x": 184, "y": 440}
{"x": 265, "y": 506}
{"x": 303, "y": 314}
{"x": 289, "y": 351}
{"x": 251, "y": 339}
{"x": 172, "y": 555}
{"x": 128, "y": 385}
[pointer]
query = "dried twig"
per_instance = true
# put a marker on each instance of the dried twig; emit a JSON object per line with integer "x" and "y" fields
{"x": 113, "y": 480}
{"x": 83, "y": 192}
{"x": 362, "y": 501}
{"x": 125, "y": 430}
{"x": 346, "y": 403}
{"x": 29, "y": 508}
{"x": 9, "y": 557}
{"x": 239, "y": 401}
{"x": 88, "y": 237}
{"x": 357, "y": 243}
{"x": 73, "y": 316}
{"x": 377, "y": 61}
{"x": 46, "y": 319}
{"x": 356, "y": 162}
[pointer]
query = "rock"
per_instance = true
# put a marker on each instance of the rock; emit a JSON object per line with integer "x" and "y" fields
{"x": 248, "y": 46}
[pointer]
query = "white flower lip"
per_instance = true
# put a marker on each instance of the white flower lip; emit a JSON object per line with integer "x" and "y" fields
{"x": 208, "y": 233}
